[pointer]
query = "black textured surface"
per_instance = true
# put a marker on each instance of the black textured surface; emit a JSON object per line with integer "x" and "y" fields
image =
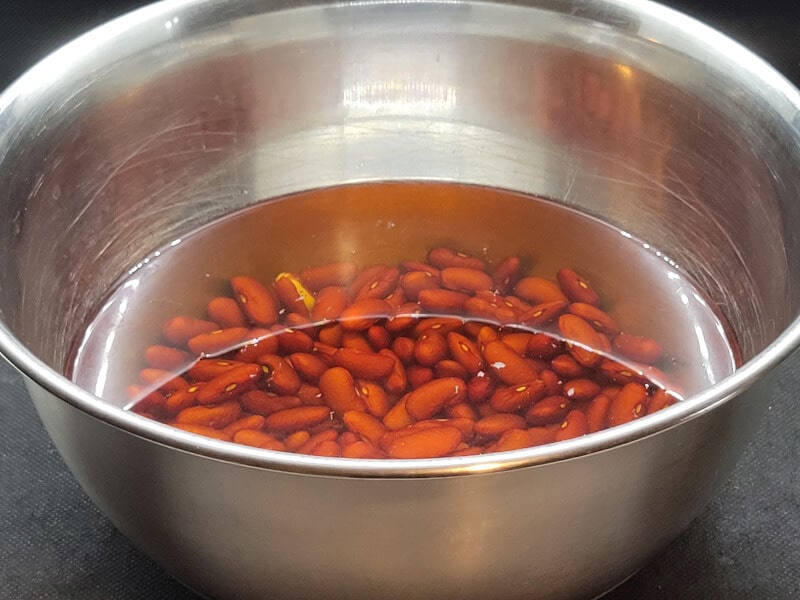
{"x": 54, "y": 545}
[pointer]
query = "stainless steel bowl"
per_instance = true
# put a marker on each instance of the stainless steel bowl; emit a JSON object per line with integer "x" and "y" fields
{"x": 160, "y": 121}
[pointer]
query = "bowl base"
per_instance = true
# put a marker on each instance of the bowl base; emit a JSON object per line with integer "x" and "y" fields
{"x": 598, "y": 597}
{"x": 615, "y": 586}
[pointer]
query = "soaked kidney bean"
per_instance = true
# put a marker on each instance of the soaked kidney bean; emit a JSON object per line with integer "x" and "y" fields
{"x": 453, "y": 355}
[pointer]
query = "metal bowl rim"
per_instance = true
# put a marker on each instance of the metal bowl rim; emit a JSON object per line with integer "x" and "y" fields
{"x": 774, "y": 88}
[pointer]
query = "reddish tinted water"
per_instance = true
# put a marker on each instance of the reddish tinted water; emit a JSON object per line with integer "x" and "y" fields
{"x": 388, "y": 223}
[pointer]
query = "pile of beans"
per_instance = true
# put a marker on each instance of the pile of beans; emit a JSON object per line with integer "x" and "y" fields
{"x": 447, "y": 357}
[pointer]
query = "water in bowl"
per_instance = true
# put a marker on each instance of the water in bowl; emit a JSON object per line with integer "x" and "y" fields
{"x": 402, "y": 320}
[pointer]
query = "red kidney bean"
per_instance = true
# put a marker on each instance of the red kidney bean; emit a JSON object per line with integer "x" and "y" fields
{"x": 355, "y": 340}
{"x": 601, "y": 321}
{"x": 278, "y": 375}
{"x": 309, "y": 367}
{"x": 543, "y": 313}
{"x": 256, "y": 300}
{"x": 513, "y": 439}
{"x": 443, "y": 258}
{"x": 516, "y": 398}
{"x": 330, "y": 302}
{"x": 628, "y": 404}
{"x": 465, "y": 352}
{"x": 580, "y": 390}
{"x": 639, "y": 349}
{"x": 379, "y": 337}
{"x": 480, "y": 388}
{"x": 494, "y": 426}
{"x": 334, "y": 274}
{"x": 413, "y": 282}
{"x": 230, "y": 384}
{"x": 364, "y": 313}
{"x": 430, "y": 348}
{"x": 339, "y": 392}
{"x": 583, "y": 342}
{"x": 419, "y": 375}
{"x": 575, "y": 425}
{"x": 442, "y": 301}
{"x": 506, "y": 273}
{"x": 429, "y": 398}
{"x": 398, "y": 417}
{"x": 364, "y": 365}
{"x": 575, "y": 287}
{"x": 551, "y": 409}
{"x": 218, "y": 342}
{"x": 597, "y": 413}
{"x": 508, "y": 366}
{"x": 180, "y": 330}
{"x": 462, "y": 279}
{"x": 448, "y": 368}
{"x": 538, "y": 290}
{"x": 166, "y": 358}
{"x": 380, "y": 285}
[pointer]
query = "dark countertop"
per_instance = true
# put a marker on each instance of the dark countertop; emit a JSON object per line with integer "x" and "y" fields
{"x": 54, "y": 545}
